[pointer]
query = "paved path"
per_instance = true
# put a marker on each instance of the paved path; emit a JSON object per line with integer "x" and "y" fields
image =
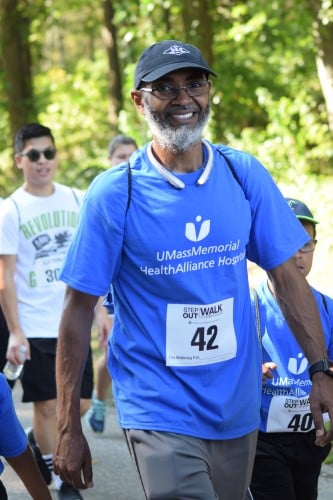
{"x": 114, "y": 475}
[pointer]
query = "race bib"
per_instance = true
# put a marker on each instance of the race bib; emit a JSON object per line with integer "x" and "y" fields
{"x": 200, "y": 334}
{"x": 289, "y": 414}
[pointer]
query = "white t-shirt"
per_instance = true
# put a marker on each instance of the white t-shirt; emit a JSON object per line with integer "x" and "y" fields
{"x": 38, "y": 230}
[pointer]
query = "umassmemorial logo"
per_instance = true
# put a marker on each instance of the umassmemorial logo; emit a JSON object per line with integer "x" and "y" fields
{"x": 176, "y": 261}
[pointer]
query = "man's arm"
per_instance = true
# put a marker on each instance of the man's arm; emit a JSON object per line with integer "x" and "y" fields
{"x": 8, "y": 297}
{"x": 72, "y": 459}
{"x": 300, "y": 310}
{"x": 27, "y": 470}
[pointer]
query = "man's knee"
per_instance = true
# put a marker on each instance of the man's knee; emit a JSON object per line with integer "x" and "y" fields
{"x": 46, "y": 409}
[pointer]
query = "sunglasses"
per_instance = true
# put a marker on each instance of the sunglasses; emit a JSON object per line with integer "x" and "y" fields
{"x": 35, "y": 154}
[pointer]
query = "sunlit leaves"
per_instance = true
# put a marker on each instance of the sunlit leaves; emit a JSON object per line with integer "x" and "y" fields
{"x": 267, "y": 98}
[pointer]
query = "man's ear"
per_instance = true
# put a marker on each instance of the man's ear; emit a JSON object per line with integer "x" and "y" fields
{"x": 137, "y": 98}
{"x": 18, "y": 161}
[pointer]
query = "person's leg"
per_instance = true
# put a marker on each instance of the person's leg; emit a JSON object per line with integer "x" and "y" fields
{"x": 171, "y": 465}
{"x": 308, "y": 459}
{"x": 43, "y": 435}
{"x": 95, "y": 417}
{"x": 177, "y": 466}
{"x": 39, "y": 387}
{"x": 271, "y": 477}
{"x": 3, "y": 492}
{"x": 38, "y": 383}
{"x": 103, "y": 379}
{"x": 231, "y": 465}
{"x": 44, "y": 425}
{"x": 84, "y": 406}
{"x": 44, "y": 463}
{"x": 87, "y": 385}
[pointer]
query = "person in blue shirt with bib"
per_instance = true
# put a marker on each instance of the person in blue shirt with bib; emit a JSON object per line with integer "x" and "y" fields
{"x": 172, "y": 234}
{"x": 287, "y": 463}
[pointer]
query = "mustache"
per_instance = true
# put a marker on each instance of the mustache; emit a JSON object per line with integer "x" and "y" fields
{"x": 190, "y": 108}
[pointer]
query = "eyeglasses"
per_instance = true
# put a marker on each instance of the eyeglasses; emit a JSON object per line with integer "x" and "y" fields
{"x": 165, "y": 92}
{"x": 308, "y": 247}
{"x": 34, "y": 154}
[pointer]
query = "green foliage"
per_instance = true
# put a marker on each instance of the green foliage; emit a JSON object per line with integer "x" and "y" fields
{"x": 266, "y": 99}
{"x": 294, "y": 140}
{"x": 78, "y": 118}
{"x": 270, "y": 102}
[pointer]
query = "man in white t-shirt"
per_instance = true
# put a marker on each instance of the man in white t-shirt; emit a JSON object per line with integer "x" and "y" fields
{"x": 37, "y": 223}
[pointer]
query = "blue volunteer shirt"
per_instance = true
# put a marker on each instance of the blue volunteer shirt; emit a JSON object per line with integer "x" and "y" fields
{"x": 184, "y": 354}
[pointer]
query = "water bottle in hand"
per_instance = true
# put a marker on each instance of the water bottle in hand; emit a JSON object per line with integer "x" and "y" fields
{"x": 12, "y": 371}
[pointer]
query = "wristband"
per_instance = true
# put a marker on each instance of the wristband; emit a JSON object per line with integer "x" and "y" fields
{"x": 321, "y": 366}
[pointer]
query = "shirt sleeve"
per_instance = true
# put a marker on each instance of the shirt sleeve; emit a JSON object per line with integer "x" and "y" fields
{"x": 276, "y": 233}
{"x": 9, "y": 228}
{"x": 100, "y": 233}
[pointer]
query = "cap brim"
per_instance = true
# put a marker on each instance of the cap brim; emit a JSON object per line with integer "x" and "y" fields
{"x": 309, "y": 219}
{"x": 168, "y": 68}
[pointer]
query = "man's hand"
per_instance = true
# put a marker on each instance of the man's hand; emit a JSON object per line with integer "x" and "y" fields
{"x": 321, "y": 401}
{"x": 72, "y": 460}
{"x": 267, "y": 370}
{"x": 15, "y": 342}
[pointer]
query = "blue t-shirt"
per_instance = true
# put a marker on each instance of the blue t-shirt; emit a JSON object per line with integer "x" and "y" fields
{"x": 13, "y": 440}
{"x": 285, "y": 403}
{"x": 183, "y": 354}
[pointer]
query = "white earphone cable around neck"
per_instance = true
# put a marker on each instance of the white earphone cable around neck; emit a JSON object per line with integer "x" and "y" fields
{"x": 172, "y": 179}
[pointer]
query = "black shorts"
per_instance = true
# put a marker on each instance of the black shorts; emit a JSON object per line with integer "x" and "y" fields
{"x": 38, "y": 377}
{"x": 4, "y": 336}
{"x": 3, "y": 492}
{"x": 287, "y": 465}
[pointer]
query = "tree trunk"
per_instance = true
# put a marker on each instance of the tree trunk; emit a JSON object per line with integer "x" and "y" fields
{"x": 115, "y": 80}
{"x": 16, "y": 62}
{"x": 198, "y": 24}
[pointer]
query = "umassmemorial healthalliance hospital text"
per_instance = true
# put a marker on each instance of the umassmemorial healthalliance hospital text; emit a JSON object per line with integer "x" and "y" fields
{"x": 216, "y": 260}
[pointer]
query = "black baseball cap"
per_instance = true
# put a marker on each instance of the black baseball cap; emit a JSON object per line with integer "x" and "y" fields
{"x": 301, "y": 210}
{"x": 166, "y": 56}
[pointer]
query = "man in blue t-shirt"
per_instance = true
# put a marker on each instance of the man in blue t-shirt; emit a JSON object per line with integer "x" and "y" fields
{"x": 172, "y": 235}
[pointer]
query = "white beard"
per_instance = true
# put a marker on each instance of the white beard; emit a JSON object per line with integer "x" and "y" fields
{"x": 177, "y": 140}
